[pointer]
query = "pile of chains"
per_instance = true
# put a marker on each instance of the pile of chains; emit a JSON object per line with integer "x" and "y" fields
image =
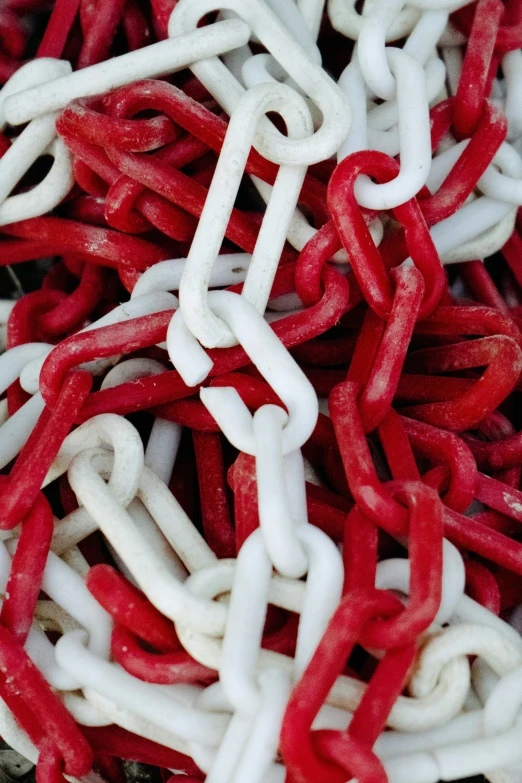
{"x": 260, "y": 426}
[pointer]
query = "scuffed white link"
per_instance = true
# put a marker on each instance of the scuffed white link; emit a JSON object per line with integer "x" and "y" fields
{"x": 159, "y": 59}
{"x": 306, "y": 73}
{"x": 38, "y": 138}
{"x": 414, "y": 135}
{"x": 219, "y": 203}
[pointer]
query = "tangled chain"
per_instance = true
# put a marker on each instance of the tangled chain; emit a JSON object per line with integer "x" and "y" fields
{"x": 260, "y": 437}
